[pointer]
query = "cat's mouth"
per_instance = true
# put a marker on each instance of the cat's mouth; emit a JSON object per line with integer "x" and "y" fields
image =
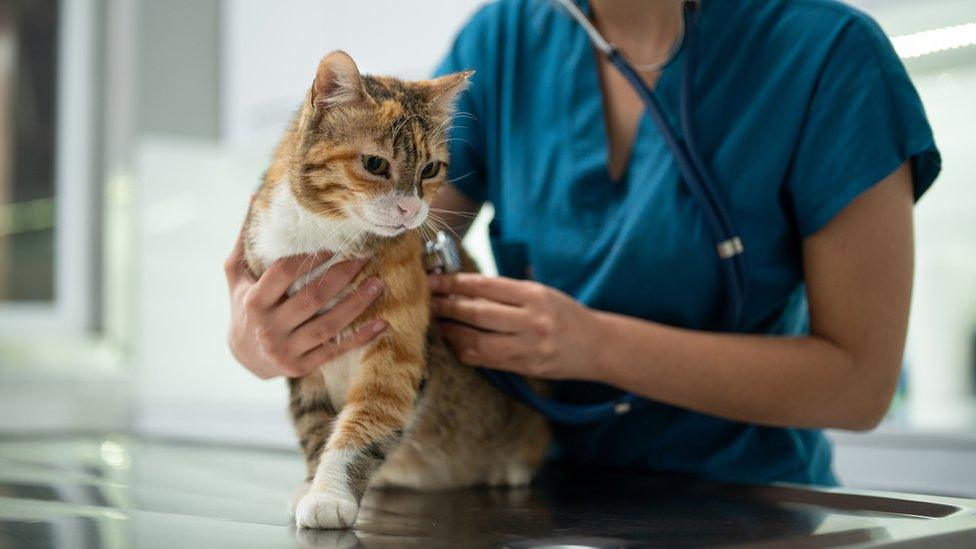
{"x": 387, "y": 230}
{"x": 383, "y": 222}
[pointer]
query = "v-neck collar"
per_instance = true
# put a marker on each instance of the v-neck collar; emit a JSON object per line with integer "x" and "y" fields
{"x": 585, "y": 105}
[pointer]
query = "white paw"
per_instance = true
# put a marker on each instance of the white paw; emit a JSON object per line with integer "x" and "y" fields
{"x": 333, "y": 539}
{"x": 511, "y": 474}
{"x": 297, "y": 495}
{"x": 519, "y": 474}
{"x": 324, "y": 510}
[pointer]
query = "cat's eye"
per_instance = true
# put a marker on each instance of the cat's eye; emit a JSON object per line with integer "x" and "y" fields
{"x": 376, "y": 165}
{"x": 430, "y": 170}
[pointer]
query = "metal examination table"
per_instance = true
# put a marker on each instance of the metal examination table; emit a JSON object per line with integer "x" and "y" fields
{"x": 119, "y": 491}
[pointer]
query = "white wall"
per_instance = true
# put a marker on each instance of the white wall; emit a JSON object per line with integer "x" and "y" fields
{"x": 271, "y": 49}
{"x": 942, "y": 335}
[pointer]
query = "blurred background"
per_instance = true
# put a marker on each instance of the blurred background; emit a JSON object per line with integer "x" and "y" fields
{"x": 133, "y": 131}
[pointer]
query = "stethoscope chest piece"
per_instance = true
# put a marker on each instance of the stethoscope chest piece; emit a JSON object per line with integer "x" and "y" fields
{"x": 441, "y": 254}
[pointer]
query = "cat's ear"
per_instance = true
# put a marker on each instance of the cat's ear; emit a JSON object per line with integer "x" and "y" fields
{"x": 442, "y": 92}
{"x": 337, "y": 82}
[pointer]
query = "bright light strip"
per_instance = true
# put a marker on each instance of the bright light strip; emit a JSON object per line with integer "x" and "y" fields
{"x": 932, "y": 41}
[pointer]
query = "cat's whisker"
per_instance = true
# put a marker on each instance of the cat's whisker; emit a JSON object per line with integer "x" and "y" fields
{"x": 437, "y": 135}
{"x": 468, "y": 215}
{"x": 446, "y": 125}
{"x": 455, "y": 116}
{"x": 438, "y": 222}
{"x": 444, "y": 224}
{"x": 335, "y": 254}
{"x": 362, "y": 244}
{"x": 463, "y": 114}
{"x": 430, "y": 231}
{"x": 431, "y": 227}
{"x": 458, "y": 178}
{"x": 439, "y": 138}
{"x": 336, "y": 257}
{"x": 402, "y": 124}
{"x": 450, "y": 229}
{"x": 453, "y": 139}
{"x": 443, "y": 126}
{"x": 427, "y": 232}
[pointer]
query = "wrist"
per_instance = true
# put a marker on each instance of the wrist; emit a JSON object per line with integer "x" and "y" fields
{"x": 602, "y": 344}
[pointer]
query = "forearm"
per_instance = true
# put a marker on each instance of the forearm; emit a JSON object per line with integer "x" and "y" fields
{"x": 781, "y": 381}
{"x": 858, "y": 276}
{"x": 858, "y": 273}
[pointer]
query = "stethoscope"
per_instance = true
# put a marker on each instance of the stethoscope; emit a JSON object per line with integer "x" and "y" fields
{"x": 698, "y": 181}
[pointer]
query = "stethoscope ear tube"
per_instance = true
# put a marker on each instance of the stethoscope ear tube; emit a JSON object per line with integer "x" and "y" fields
{"x": 597, "y": 39}
{"x": 694, "y": 173}
{"x": 728, "y": 245}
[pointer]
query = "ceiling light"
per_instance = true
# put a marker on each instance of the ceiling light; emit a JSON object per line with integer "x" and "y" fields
{"x": 927, "y": 42}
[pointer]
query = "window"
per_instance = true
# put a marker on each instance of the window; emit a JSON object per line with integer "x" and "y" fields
{"x": 937, "y": 42}
{"x": 48, "y": 152}
{"x": 28, "y": 52}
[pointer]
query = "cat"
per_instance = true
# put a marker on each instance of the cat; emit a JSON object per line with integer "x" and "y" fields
{"x": 355, "y": 174}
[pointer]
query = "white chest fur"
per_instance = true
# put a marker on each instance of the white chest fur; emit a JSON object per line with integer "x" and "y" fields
{"x": 285, "y": 229}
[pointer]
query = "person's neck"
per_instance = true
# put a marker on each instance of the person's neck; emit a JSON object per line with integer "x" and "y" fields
{"x": 645, "y": 29}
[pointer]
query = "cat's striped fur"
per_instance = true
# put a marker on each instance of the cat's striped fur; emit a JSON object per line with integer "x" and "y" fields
{"x": 401, "y": 411}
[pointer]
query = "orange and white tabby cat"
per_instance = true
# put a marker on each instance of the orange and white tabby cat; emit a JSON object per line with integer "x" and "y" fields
{"x": 355, "y": 174}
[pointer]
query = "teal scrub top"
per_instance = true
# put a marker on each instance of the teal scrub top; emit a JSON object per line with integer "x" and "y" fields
{"x": 799, "y": 106}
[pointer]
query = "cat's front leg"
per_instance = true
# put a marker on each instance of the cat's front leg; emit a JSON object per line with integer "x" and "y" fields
{"x": 379, "y": 404}
{"x": 313, "y": 414}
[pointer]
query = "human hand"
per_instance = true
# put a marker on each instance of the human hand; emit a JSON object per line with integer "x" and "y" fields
{"x": 518, "y": 326}
{"x": 274, "y": 334}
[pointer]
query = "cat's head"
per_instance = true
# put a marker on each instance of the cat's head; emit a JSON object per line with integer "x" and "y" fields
{"x": 373, "y": 151}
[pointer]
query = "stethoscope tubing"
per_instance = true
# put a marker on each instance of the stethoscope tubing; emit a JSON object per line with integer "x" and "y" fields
{"x": 693, "y": 173}
{"x": 725, "y": 217}
{"x": 698, "y": 181}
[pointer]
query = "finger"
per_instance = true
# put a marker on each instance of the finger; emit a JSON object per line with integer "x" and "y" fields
{"x": 297, "y": 309}
{"x": 322, "y": 328}
{"x": 479, "y": 348}
{"x": 282, "y": 274}
{"x": 333, "y": 349}
{"x": 501, "y": 289}
{"x": 481, "y": 313}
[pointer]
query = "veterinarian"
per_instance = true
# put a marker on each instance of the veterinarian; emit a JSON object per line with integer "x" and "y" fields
{"x": 818, "y": 145}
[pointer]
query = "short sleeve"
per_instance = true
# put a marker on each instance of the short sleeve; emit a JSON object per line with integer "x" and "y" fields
{"x": 865, "y": 119}
{"x": 471, "y": 50}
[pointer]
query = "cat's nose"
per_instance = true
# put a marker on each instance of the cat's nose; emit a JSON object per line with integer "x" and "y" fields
{"x": 408, "y": 207}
